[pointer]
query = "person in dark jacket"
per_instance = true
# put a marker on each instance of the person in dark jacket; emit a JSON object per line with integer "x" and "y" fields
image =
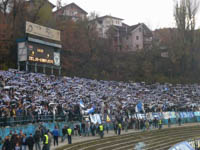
{"x": 30, "y": 142}
{"x": 83, "y": 128}
{"x": 55, "y": 136}
{"x": 23, "y": 142}
{"x": 179, "y": 121}
{"x": 64, "y": 131}
{"x": 13, "y": 140}
{"x": 7, "y": 144}
{"x": 92, "y": 128}
{"x": 37, "y": 139}
{"x": 79, "y": 129}
{"x": 19, "y": 140}
{"x": 169, "y": 122}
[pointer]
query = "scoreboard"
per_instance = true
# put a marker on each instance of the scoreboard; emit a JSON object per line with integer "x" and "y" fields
{"x": 39, "y": 49}
{"x": 43, "y": 54}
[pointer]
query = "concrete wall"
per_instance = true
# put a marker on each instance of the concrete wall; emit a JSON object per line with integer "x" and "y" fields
{"x": 30, "y": 128}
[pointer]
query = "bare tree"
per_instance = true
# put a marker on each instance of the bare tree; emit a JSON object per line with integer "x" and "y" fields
{"x": 185, "y": 17}
{"x": 4, "y": 6}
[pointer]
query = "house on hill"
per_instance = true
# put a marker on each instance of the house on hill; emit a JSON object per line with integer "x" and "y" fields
{"x": 30, "y": 4}
{"x": 125, "y": 38}
{"x": 71, "y": 11}
{"x": 139, "y": 37}
{"x": 105, "y": 22}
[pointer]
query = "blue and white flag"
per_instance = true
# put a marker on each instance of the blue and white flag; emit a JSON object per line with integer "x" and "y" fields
{"x": 91, "y": 110}
{"x": 139, "y": 107}
{"x": 82, "y": 104}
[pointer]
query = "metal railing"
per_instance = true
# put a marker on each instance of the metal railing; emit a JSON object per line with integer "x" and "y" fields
{"x": 22, "y": 120}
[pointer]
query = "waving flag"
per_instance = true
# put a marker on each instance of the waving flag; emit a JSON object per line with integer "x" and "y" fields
{"x": 81, "y": 104}
{"x": 91, "y": 110}
{"x": 139, "y": 107}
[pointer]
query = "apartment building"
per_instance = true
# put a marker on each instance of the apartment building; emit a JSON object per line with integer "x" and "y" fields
{"x": 105, "y": 22}
{"x": 139, "y": 36}
{"x": 125, "y": 37}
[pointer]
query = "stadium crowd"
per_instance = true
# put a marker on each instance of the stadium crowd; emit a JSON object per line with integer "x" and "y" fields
{"x": 34, "y": 97}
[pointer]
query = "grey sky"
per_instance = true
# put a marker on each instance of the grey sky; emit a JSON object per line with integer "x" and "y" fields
{"x": 154, "y": 13}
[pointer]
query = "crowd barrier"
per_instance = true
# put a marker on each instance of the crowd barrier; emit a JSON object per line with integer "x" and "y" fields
{"x": 22, "y": 120}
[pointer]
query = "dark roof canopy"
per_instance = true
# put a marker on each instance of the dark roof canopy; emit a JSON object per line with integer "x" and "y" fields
{"x": 46, "y": 0}
{"x": 72, "y": 4}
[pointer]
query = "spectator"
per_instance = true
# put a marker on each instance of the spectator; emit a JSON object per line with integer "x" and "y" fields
{"x": 119, "y": 128}
{"x": 69, "y": 135}
{"x": 17, "y": 147}
{"x": 46, "y": 142}
{"x": 24, "y": 140}
{"x": 169, "y": 122}
{"x": 64, "y": 131}
{"x": 49, "y": 140}
{"x": 7, "y": 144}
{"x": 30, "y": 142}
{"x": 101, "y": 130}
{"x": 55, "y": 136}
{"x": 83, "y": 128}
{"x": 37, "y": 139}
{"x": 179, "y": 121}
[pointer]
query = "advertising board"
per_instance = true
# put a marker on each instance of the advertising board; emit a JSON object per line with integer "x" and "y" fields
{"x": 42, "y": 31}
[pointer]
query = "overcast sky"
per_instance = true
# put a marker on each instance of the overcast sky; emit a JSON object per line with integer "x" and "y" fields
{"x": 154, "y": 13}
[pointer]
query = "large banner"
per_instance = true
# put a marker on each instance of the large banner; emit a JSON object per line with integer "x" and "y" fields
{"x": 181, "y": 114}
{"x": 155, "y": 115}
{"x": 160, "y": 115}
{"x": 141, "y": 116}
{"x": 166, "y": 115}
{"x": 177, "y": 115}
{"x": 95, "y": 118}
{"x": 185, "y": 114}
{"x": 98, "y": 118}
{"x": 149, "y": 116}
{"x": 172, "y": 115}
{"x": 42, "y": 31}
{"x": 190, "y": 114}
{"x": 197, "y": 113}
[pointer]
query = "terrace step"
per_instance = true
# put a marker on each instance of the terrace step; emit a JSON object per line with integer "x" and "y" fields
{"x": 155, "y": 139}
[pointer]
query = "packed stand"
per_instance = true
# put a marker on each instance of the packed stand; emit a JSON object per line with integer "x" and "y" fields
{"x": 34, "y": 97}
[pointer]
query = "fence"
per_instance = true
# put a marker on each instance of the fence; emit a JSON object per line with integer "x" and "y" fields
{"x": 23, "y": 120}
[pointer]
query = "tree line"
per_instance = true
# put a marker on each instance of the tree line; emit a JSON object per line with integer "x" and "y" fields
{"x": 85, "y": 54}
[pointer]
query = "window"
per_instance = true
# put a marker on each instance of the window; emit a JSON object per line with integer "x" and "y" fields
{"x": 140, "y": 29}
{"x": 137, "y": 46}
{"x": 137, "y": 37}
{"x": 75, "y": 13}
